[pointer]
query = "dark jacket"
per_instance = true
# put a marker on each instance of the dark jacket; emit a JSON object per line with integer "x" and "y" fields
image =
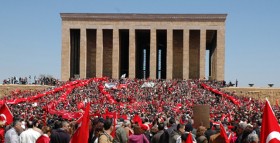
{"x": 174, "y": 136}
{"x": 59, "y": 136}
{"x": 209, "y": 132}
{"x": 156, "y": 137}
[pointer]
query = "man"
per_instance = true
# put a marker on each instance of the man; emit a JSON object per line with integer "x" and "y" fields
{"x": 105, "y": 137}
{"x": 217, "y": 138}
{"x": 240, "y": 131}
{"x": 172, "y": 124}
{"x": 61, "y": 135}
{"x": 11, "y": 135}
{"x": 121, "y": 136}
{"x": 176, "y": 134}
{"x": 156, "y": 137}
{"x": 127, "y": 128}
{"x": 209, "y": 132}
{"x": 164, "y": 138}
{"x": 29, "y": 135}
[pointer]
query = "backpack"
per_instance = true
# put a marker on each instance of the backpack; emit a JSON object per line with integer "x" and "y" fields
{"x": 108, "y": 137}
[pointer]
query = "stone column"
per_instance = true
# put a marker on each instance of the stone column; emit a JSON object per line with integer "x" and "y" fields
{"x": 99, "y": 52}
{"x": 132, "y": 53}
{"x": 153, "y": 54}
{"x": 186, "y": 49}
{"x": 214, "y": 64}
{"x": 83, "y": 53}
{"x": 65, "y": 53}
{"x": 169, "y": 58}
{"x": 116, "y": 55}
{"x": 202, "y": 51}
{"x": 220, "y": 54}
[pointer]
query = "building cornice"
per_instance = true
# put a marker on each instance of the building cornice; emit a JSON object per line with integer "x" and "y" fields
{"x": 141, "y": 17}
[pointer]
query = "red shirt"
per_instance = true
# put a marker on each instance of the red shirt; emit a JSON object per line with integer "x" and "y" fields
{"x": 43, "y": 139}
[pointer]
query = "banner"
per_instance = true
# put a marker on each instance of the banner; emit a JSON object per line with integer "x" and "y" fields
{"x": 232, "y": 99}
{"x": 148, "y": 84}
{"x": 201, "y": 115}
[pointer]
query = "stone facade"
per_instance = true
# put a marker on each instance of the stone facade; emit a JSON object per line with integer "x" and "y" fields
{"x": 188, "y": 36}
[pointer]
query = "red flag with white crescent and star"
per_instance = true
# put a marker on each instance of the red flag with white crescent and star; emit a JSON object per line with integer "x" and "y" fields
{"x": 270, "y": 130}
{"x": 5, "y": 115}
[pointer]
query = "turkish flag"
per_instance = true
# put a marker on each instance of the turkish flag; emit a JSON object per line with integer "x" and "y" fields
{"x": 113, "y": 133}
{"x": 82, "y": 133}
{"x": 189, "y": 138}
{"x": 223, "y": 133}
{"x": 80, "y": 105}
{"x": 6, "y": 115}
{"x": 270, "y": 130}
{"x": 137, "y": 119}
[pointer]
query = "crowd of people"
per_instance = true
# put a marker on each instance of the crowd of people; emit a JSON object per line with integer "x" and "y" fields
{"x": 146, "y": 111}
{"x": 42, "y": 80}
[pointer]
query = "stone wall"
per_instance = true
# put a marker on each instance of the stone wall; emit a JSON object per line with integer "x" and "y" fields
{"x": 272, "y": 94}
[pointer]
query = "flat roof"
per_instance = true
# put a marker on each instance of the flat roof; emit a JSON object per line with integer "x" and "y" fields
{"x": 141, "y": 17}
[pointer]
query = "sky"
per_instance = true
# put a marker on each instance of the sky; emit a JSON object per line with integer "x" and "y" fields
{"x": 30, "y": 34}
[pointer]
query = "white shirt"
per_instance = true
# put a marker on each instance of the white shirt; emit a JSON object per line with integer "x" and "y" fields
{"x": 11, "y": 136}
{"x": 29, "y": 136}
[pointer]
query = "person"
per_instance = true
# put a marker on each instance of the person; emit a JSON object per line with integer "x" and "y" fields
{"x": 121, "y": 136}
{"x": 217, "y": 138}
{"x": 127, "y": 128}
{"x": 105, "y": 136}
{"x": 97, "y": 132}
{"x": 164, "y": 138}
{"x": 184, "y": 137}
{"x": 11, "y": 135}
{"x": 37, "y": 126}
{"x": 138, "y": 136}
{"x": 61, "y": 134}
{"x": 156, "y": 137}
{"x": 209, "y": 132}
{"x": 45, "y": 137}
{"x": 147, "y": 132}
{"x": 92, "y": 127}
{"x": 175, "y": 136}
{"x": 240, "y": 131}
{"x": 29, "y": 135}
{"x": 200, "y": 137}
{"x": 253, "y": 138}
{"x": 2, "y": 130}
{"x": 173, "y": 125}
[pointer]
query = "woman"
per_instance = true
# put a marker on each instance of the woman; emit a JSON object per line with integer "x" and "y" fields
{"x": 138, "y": 136}
{"x": 97, "y": 132}
{"x": 200, "y": 137}
{"x": 44, "y": 138}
